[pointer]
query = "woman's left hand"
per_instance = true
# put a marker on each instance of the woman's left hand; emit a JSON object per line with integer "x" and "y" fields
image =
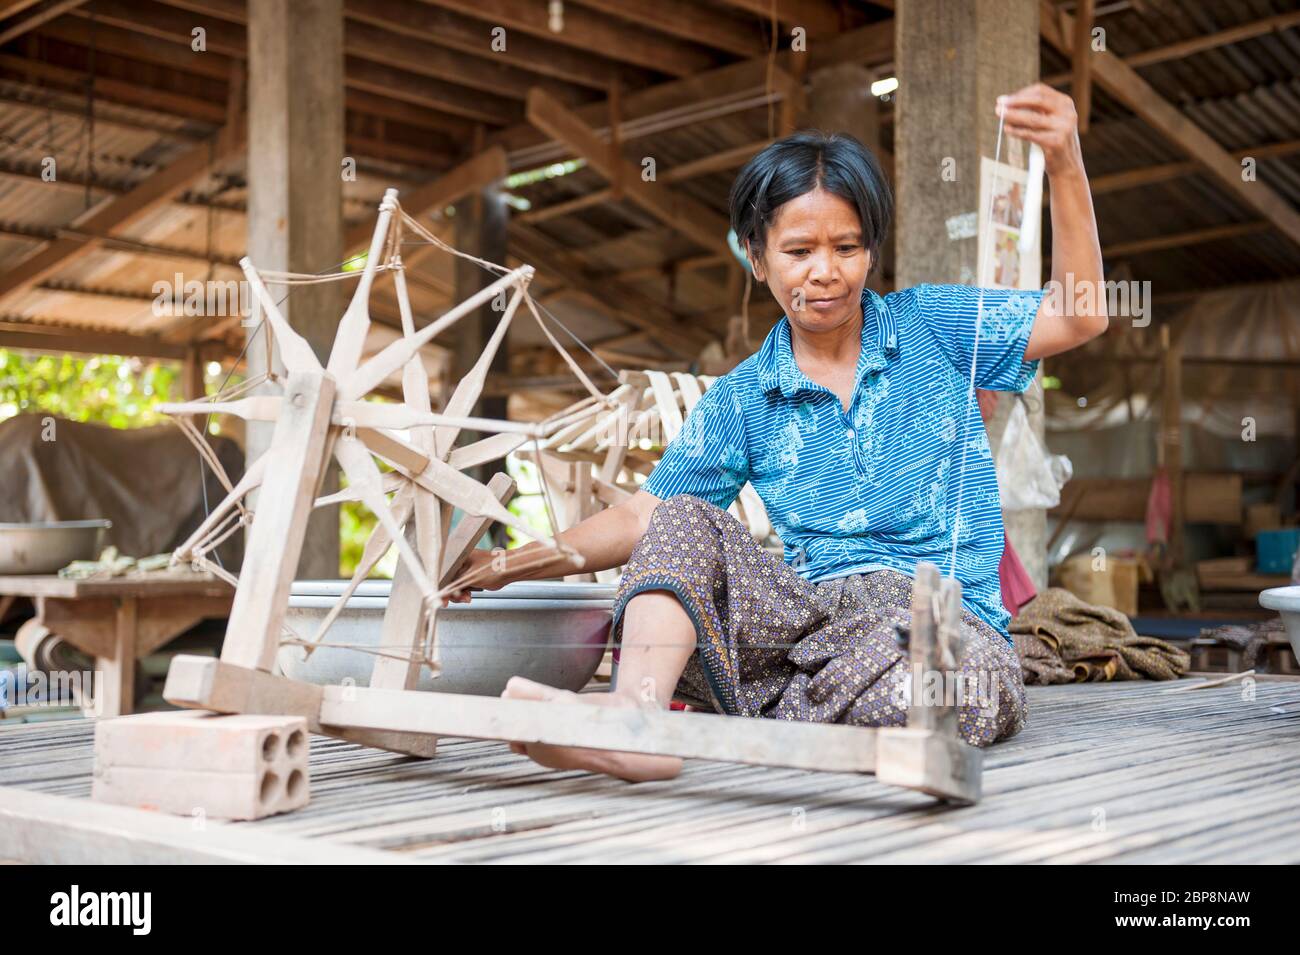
{"x": 1045, "y": 116}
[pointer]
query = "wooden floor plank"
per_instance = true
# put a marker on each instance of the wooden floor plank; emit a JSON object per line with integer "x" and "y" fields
{"x": 1201, "y": 776}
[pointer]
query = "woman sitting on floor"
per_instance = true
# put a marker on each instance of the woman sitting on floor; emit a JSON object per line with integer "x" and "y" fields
{"x": 852, "y": 422}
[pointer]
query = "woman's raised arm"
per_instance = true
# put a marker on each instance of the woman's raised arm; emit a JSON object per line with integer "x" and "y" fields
{"x": 1045, "y": 116}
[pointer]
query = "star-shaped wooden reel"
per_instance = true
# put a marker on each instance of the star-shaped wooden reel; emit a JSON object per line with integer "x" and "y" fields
{"x": 320, "y": 413}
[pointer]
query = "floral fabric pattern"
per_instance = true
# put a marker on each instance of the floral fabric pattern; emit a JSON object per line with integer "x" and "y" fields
{"x": 772, "y": 644}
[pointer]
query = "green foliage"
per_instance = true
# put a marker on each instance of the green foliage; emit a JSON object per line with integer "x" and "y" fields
{"x": 356, "y": 522}
{"x": 109, "y": 389}
{"x": 528, "y": 504}
{"x": 124, "y": 392}
{"x": 355, "y": 525}
{"x": 550, "y": 171}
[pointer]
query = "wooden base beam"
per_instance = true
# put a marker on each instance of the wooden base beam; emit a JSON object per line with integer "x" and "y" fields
{"x": 918, "y": 759}
{"x": 207, "y": 683}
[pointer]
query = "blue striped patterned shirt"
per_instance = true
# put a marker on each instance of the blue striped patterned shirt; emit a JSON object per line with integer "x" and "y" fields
{"x": 875, "y": 487}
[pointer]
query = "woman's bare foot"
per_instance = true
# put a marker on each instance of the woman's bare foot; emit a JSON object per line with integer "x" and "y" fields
{"x": 634, "y": 767}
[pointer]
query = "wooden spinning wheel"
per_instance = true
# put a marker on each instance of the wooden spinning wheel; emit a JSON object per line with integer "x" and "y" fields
{"x": 321, "y": 412}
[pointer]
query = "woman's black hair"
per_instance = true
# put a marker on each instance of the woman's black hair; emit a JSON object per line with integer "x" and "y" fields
{"x": 798, "y": 164}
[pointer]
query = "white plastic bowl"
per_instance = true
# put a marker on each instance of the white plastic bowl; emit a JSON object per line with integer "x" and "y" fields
{"x": 551, "y": 632}
{"x": 1286, "y": 601}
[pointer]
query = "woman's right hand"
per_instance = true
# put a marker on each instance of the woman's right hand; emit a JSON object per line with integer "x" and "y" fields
{"x": 479, "y": 562}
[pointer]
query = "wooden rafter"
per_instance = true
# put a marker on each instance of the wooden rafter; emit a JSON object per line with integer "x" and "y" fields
{"x": 718, "y": 162}
{"x": 1164, "y": 172}
{"x": 690, "y": 218}
{"x": 587, "y": 31}
{"x": 1199, "y": 44}
{"x": 1123, "y": 82}
{"x": 689, "y": 20}
{"x": 709, "y": 94}
{"x": 61, "y": 339}
{"x": 1082, "y": 63}
{"x": 121, "y": 212}
{"x": 469, "y": 177}
{"x": 1233, "y": 230}
{"x": 370, "y": 36}
{"x": 23, "y": 16}
{"x": 428, "y": 23}
{"x": 820, "y": 17}
{"x": 625, "y": 302}
{"x": 229, "y": 38}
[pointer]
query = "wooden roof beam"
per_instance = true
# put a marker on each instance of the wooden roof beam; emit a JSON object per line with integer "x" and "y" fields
{"x": 690, "y": 20}
{"x": 718, "y": 162}
{"x": 1199, "y": 44}
{"x": 470, "y": 176}
{"x": 192, "y": 108}
{"x": 624, "y": 302}
{"x": 458, "y": 101}
{"x": 1164, "y": 172}
{"x": 586, "y": 68}
{"x": 1081, "y": 87}
{"x": 135, "y": 47}
{"x": 1122, "y": 82}
{"x": 23, "y": 16}
{"x": 61, "y": 338}
{"x": 709, "y": 94}
{"x": 115, "y": 244}
{"x": 692, "y": 219}
{"x": 370, "y": 39}
{"x": 119, "y": 213}
{"x": 588, "y": 32}
{"x": 1216, "y": 233}
{"x": 819, "y": 17}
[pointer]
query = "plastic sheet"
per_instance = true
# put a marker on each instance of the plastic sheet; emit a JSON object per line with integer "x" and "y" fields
{"x": 1028, "y": 475}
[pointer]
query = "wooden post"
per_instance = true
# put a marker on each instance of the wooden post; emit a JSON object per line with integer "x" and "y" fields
{"x": 1171, "y": 438}
{"x": 480, "y": 222}
{"x": 192, "y": 383}
{"x": 841, "y": 100}
{"x": 1081, "y": 87}
{"x": 115, "y": 695}
{"x": 295, "y": 196}
{"x": 948, "y": 85}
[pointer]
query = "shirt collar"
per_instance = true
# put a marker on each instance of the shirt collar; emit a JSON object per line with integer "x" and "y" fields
{"x": 778, "y": 369}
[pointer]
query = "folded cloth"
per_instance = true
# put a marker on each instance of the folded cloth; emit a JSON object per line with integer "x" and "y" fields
{"x": 1062, "y": 639}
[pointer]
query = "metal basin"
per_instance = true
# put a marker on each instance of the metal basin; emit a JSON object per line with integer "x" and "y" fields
{"x": 551, "y": 632}
{"x": 1286, "y": 601}
{"x": 45, "y": 547}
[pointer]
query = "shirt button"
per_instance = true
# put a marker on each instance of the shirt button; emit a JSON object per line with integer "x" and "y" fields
{"x": 852, "y": 433}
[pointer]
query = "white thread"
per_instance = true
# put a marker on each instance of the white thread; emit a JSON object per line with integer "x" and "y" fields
{"x": 975, "y": 351}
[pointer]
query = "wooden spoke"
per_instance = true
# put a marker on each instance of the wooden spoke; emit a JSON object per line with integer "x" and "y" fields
{"x": 251, "y": 479}
{"x": 471, "y": 386}
{"x": 351, "y": 335}
{"x": 294, "y": 350}
{"x": 364, "y": 475}
{"x": 376, "y": 547}
{"x": 396, "y": 354}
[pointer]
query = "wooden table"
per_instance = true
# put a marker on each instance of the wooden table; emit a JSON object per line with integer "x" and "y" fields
{"x": 118, "y": 620}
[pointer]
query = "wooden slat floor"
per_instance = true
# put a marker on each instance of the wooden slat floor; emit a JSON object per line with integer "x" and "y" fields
{"x": 1123, "y": 773}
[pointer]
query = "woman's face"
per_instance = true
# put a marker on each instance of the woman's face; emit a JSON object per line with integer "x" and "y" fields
{"x": 814, "y": 261}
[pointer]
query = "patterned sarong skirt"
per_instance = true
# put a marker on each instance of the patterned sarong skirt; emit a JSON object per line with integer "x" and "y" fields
{"x": 771, "y": 644}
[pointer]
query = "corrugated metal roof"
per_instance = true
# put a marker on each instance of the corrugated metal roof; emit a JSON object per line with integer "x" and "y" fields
{"x": 1243, "y": 95}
